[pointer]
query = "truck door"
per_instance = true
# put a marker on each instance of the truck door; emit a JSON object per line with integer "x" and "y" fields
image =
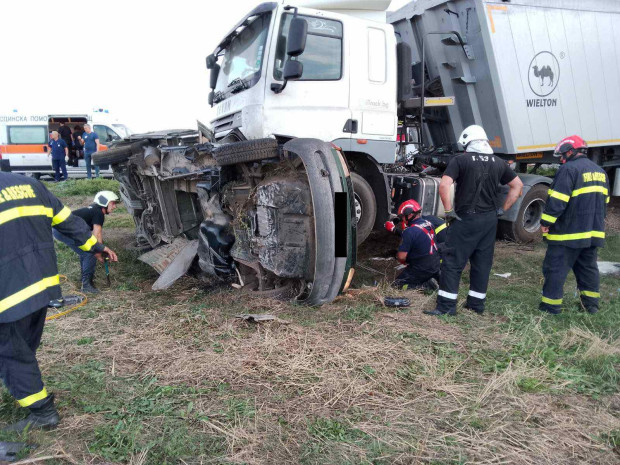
{"x": 317, "y": 105}
{"x": 26, "y": 147}
{"x": 373, "y": 88}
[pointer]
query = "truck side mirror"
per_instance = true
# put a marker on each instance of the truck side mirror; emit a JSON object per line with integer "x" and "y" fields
{"x": 215, "y": 71}
{"x": 211, "y": 96}
{"x": 211, "y": 61}
{"x": 297, "y": 33}
{"x": 293, "y": 69}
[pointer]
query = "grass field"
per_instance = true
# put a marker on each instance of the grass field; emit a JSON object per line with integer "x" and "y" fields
{"x": 171, "y": 377}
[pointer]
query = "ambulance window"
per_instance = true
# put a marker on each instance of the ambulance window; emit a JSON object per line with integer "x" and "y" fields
{"x": 322, "y": 57}
{"x": 28, "y": 135}
{"x": 105, "y": 134}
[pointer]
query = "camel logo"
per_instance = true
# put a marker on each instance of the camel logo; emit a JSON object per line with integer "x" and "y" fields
{"x": 544, "y": 73}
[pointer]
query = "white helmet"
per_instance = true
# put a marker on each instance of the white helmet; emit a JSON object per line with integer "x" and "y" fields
{"x": 103, "y": 198}
{"x": 473, "y": 132}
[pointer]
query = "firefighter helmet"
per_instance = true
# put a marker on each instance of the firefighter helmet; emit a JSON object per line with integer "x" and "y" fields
{"x": 103, "y": 198}
{"x": 569, "y": 146}
{"x": 473, "y": 132}
{"x": 409, "y": 207}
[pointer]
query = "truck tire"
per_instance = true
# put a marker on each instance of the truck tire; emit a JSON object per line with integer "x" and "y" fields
{"x": 526, "y": 228}
{"x": 117, "y": 154}
{"x": 365, "y": 207}
{"x": 245, "y": 151}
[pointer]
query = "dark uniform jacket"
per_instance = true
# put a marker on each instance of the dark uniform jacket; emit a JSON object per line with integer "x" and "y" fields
{"x": 576, "y": 206}
{"x": 28, "y": 270}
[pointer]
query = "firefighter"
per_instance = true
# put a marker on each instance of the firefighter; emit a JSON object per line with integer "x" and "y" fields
{"x": 419, "y": 248}
{"x": 28, "y": 281}
{"x": 473, "y": 219}
{"x": 573, "y": 225}
{"x": 94, "y": 215}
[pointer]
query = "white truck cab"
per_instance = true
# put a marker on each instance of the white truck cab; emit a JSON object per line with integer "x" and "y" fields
{"x": 24, "y": 139}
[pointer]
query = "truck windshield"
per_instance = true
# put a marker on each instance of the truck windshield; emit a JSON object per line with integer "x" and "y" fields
{"x": 243, "y": 58}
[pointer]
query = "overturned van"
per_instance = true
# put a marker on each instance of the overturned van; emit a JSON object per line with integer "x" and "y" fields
{"x": 271, "y": 220}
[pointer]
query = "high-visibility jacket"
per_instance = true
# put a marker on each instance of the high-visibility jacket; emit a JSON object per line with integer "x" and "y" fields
{"x": 576, "y": 206}
{"x": 28, "y": 270}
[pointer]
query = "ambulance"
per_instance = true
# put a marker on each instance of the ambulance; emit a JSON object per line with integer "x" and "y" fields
{"x": 24, "y": 140}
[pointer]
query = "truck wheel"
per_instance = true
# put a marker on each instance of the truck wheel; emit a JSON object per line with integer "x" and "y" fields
{"x": 526, "y": 228}
{"x": 365, "y": 207}
{"x": 245, "y": 151}
{"x": 118, "y": 154}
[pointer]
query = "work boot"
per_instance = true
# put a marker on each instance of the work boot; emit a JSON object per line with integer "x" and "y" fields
{"x": 88, "y": 286}
{"x": 592, "y": 309}
{"x": 479, "y": 312}
{"x": 43, "y": 417}
{"x": 438, "y": 312}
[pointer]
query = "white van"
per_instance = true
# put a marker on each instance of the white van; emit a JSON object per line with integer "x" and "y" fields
{"x": 24, "y": 140}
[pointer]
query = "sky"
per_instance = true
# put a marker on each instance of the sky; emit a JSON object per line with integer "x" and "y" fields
{"x": 142, "y": 60}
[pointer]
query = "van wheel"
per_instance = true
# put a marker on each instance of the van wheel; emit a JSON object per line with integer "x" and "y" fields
{"x": 245, "y": 151}
{"x": 118, "y": 153}
{"x": 526, "y": 228}
{"x": 365, "y": 207}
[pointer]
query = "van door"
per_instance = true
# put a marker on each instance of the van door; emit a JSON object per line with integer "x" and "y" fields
{"x": 26, "y": 147}
{"x": 106, "y": 135}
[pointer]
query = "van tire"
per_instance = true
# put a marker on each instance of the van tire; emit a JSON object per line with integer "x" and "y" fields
{"x": 526, "y": 227}
{"x": 245, "y": 151}
{"x": 118, "y": 153}
{"x": 366, "y": 198}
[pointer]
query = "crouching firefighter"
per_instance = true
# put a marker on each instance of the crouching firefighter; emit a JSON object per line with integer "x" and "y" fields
{"x": 28, "y": 281}
{"x": 419, "y": 248}
{"x": 94, "y": 216}
{"x": 573, "y": 225}
{"x": 478, "y": 174}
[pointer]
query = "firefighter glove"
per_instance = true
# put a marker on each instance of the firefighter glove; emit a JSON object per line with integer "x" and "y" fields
{"x": 451, "y": 216}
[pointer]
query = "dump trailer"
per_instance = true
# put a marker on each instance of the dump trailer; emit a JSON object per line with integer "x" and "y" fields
{"x": 326, "y": 118}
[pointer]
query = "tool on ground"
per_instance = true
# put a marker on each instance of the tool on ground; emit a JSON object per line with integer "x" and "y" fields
{"x": 106, "y": 259}
{"x": 9, "y": 451}
{"x": 396, "y": 302}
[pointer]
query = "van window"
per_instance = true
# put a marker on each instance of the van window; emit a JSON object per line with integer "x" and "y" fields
{"x": 376, "y": 55}
{"x": 28, "y": 134}
{"x": 105, "y": 134}
{"x": 322, "y": 57}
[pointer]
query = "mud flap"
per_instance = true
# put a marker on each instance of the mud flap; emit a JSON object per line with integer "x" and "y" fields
{"x": 171, "y": 261}
{"x": 327, "y": 175}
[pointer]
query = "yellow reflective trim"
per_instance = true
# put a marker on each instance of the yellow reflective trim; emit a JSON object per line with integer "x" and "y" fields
{"x": 589, "y": 190}
{"x": 558, "y": 195}
{"x": 607, "y": 199}
{"x": 551, "y": 301}
{"x": 61, "y": 216}
{"x": 548, "y": 218}
{"x": 441, "y": 228}
{"x": 575, "y": 236}
{"x": 89, "y": 244}
{"x": 28, "y": 292}
{"x": 596, "y": 295}
{"x": 28, "y": 401}
{"x": 30, "y": 210}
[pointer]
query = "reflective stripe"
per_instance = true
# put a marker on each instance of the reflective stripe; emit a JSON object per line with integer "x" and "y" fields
{"x": 548, "y": 218}
{"x": 441, "y": 228}
{"x": 28, "y": 401}
{"x": 89, "y": 244}
{"x": 551, "y": 301}
{"x": 30, "y": 210}
{"x": 596, "y": 295}
{"x": 589, "y": 190}
{"x": 477, "y": 295}
{"x": 575, "y": 236}
{"x": 61, "y": 216}
{"x": 28, "y": 292}
{"x": 607, "y": 199}
{"x": 558, "y": 195}
{"x": 447, "y": 295}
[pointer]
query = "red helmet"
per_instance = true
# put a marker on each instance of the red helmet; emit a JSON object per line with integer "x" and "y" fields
{"x": 568, "y": 144}
{"x": 409, "y": 207}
